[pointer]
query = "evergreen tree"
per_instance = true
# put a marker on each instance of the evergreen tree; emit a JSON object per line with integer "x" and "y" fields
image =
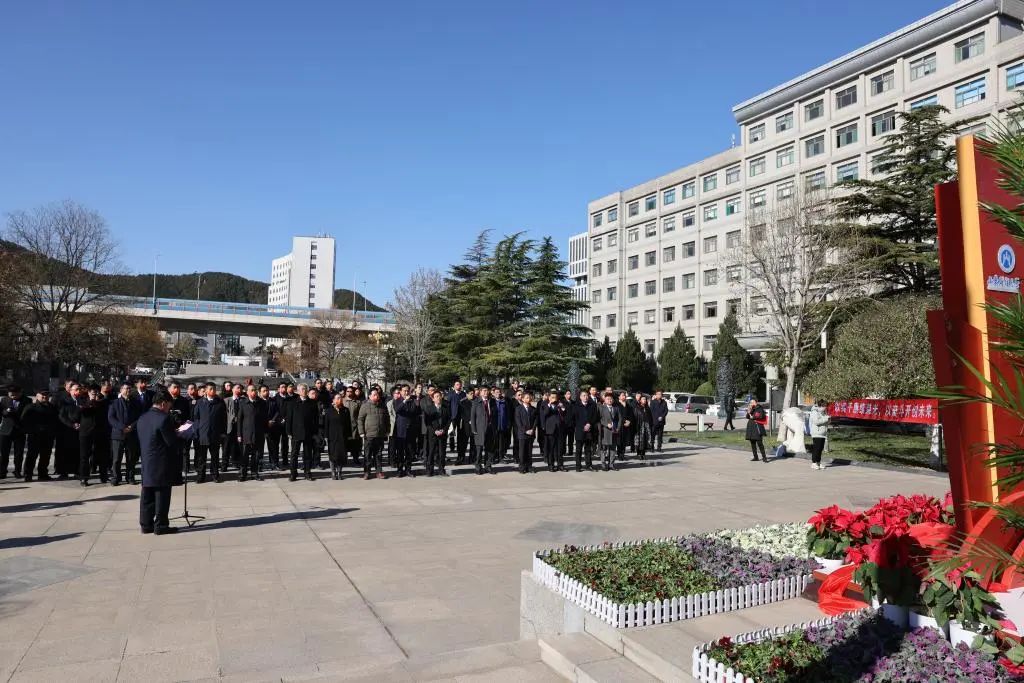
{"x": 604, "y": 361}
{"x": 742, "y": 368}
{"x": 894, "y": 216}
{"x": 680, "y": 368}
{"x": 629, "y": 368}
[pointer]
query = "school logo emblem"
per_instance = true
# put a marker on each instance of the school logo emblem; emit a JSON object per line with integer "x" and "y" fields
{"x": 1007, "y": 258}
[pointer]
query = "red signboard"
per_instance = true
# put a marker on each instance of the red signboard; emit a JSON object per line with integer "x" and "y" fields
{"x": 912, "y": 410}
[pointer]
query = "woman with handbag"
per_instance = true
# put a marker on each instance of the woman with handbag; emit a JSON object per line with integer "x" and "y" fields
{"x": 757, "y": 418}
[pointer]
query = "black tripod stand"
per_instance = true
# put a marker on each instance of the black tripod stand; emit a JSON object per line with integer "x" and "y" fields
{"x": 190, "y": 520}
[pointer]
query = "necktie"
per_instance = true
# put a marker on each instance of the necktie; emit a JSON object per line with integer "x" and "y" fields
{"x": 487, "y": 408}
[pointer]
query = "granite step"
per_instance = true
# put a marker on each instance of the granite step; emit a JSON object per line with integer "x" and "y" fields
{"x": 581, "y": 658}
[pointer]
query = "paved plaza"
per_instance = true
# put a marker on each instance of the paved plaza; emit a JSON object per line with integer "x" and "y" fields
{"x": 404, "y": 579}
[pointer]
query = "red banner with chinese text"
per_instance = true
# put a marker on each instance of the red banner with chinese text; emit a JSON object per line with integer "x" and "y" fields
{"x": 911, "y": 410}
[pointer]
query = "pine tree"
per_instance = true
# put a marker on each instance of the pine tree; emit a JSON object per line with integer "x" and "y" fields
{"x": 894, "y": 216}
{"x": 604, "y": 361}
{"x": 742, "y": 368}
{"x": 680, "y": 368}
{"x": 629, "y": 369}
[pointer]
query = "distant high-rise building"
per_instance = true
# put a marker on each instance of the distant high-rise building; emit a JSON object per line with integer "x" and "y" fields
{"x": 305, "y": 277}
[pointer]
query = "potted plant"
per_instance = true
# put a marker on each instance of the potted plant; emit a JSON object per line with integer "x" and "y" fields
{"x": 831, "y": 533}
{"x": 957, "y": 601}
{"x": 886, "y": 577}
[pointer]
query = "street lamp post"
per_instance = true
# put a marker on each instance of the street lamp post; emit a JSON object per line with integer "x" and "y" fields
{"x": 199, "y": 286}
{"x": 155, "y": 257}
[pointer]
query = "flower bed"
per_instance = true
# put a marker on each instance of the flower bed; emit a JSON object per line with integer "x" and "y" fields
{"x": 857, "y": 647}
{"x": 661, "y": 580}
{"x": 777, "y": 540}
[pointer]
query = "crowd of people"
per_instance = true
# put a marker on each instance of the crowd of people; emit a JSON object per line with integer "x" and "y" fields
{"x": 92, "y": 431}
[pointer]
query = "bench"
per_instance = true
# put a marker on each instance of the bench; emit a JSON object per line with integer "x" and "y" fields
{"x": 708, "y": 425}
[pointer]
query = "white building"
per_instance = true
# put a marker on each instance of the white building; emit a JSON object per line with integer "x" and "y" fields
{"x": 578, "y": 269}
{"x": 655, "y": 257}
{"x": 305, "y": 277}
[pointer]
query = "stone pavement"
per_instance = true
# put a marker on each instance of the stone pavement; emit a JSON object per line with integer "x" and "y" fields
{"x": 388, "y": 580}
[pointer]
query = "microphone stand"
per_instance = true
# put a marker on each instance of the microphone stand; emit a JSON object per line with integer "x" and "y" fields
{"x": 190, "y": 519}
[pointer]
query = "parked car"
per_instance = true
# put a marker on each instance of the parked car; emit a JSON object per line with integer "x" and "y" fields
{"x": 271, "y": 372}
{"x": 693, "y": 403}
{"x": 717, "y": 410}
{"x": 171, "y": 368}
{"x": 142, "y": 369}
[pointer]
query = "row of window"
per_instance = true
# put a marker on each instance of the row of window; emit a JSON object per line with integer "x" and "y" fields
{"x": 733, "y": 274}
{"x": 668, "y": 315}
{"x": 668, "y": 254}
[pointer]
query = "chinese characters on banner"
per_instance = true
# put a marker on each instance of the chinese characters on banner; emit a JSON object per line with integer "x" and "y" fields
{"x": 918, "y": 411}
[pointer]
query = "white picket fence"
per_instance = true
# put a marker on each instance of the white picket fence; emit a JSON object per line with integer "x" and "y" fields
{"x": 663, "y": 611}
{"x": 708, "y": 670}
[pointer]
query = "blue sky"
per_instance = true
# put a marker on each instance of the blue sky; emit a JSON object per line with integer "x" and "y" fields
{"x": 211, "y": 132}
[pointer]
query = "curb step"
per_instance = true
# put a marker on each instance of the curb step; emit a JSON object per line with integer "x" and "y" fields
{"x": 581, "y": 658}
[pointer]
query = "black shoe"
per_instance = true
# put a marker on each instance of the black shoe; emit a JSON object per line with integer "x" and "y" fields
{"x": 28, "y": 478}
{"x": 764, "y": 459}
{"x": 117, "y": 482}
{"x": 291, "y": 477}
{"x": 216, "y": 479}
{"x": 147, "y": 530}
{"x": 84, "y": 482}
{"x": 607, "y": 469}
{"x": 166, "y": 530}
{"x": 309, "y": 477}
{"x": 753, "y": 460}
{"x": 62, "y": 477}
{"x": 45, "y": 477}
{"x": 104, "y": 480}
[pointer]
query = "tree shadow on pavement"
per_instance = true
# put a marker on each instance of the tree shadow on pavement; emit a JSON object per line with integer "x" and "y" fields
{"x": 275, "y": 518}
{"x": 29, "y": 541}
{"x": 35, "y": 507}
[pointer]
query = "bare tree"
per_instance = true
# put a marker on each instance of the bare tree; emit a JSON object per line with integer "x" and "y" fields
{"x": 323, "y": 343}
{"x": 67, "y": 249}
{"x": 415, "y": 325}
{"x": 789, "y": 263}
{"x": 364, "y": 357}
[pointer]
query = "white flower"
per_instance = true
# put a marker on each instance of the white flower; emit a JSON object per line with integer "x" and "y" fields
{"x": 777, "y": 540}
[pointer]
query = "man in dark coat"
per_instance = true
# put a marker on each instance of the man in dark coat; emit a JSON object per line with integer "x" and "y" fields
{"x": 252, "y": 431}
{"x": 526, "y": 429}
{"x": 374, "y": 426}
{"x": 160, "y": 465}
{"x": 12, "y": 432}
{"x": 435, "y": 422}
{"x": 611, "y": 425}
{"x": 232, "y": 446}
{"x": 121, "y": 416}
{"x": 659, "y": 414}
{"x": 181, "y": 412}
{"x": 484, "y": 422}
{"x": 569, "y": 437}
{"x": 351, "y": 403}
{"x": 505, "y": 424}
{"x": 625, "y": 436}
{"x": 210, "y": 424}
{"x": 40, "y": 422}
{"x": 277, "y": 442}
{"x": 66, "y": 455}
{"x": 553, "y": 424}
{"x": 407, "y": 426}
{"x": 303, "y": 425}
{"x": 338, "y": 432}
{"x": 466, "y": 428}
{"x": 586, "y": 423}
{"x": 454, "y": 400}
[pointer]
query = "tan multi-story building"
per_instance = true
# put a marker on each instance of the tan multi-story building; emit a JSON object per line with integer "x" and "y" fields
{"x": 655, "y": 257}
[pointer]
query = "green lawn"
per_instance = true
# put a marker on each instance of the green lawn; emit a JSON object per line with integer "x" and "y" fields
{"x": 845, "y": 443}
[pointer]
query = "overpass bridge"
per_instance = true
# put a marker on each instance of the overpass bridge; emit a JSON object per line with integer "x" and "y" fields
{"x": 257, "y": 320}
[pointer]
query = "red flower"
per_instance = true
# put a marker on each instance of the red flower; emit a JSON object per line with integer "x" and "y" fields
{"x": 1015, "y": 669}
{"x": 956, "y": 576}
{"x": 855, "y": 555}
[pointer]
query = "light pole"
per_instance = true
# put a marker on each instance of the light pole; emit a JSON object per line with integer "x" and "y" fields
{"x": 198, "y": 287}
{"x": 364, "y": 296}
{"x": 155, "y": 257}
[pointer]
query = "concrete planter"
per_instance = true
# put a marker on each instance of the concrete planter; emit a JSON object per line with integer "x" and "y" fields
{"x": 621, "y": 615}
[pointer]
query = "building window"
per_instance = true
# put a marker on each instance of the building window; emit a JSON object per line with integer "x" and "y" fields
{"x": 846, "y": 97}
{"x": 687, "y": 190}
{"x": 922, "y": 66}
{"x": 710, "y": 212}
{"x": 846, "y": 171}
{"x": 668, "y": 197}
{"x": 711, "y": 277}
{"x": 732, "y": 274}
{"x": 969, "y": 47}
{"x": 969, "y": 93}
{"x": 613, "y": 239}
{"x": 929, "y": 101}
{"x": 651, "y": 203}
{"x": 814, "y": 110}
{"x": 689, "y": 249}
{"x": 633, "y": 235}
{"x": 649, "y": 320}
{"x": 595, "y": 296}
{"x": 649, "y": 344}
{"x": 689, "y": 312}
{"x": 668, "y": 254}
{"x": 613, "y": 215}
{"x": 597, "y": 220}
{"x": 883, "y": 82}
{"x": 732, "y": 206}
{"x": 814, "y": 146}
{"x": 1015, "y": 76}
{"x": 756, "y": 133}
{"x": 312, "y": 246}
{"x": 633, "y": 209}
{"x": 633, "y": 291}
{"x": 877, "y": 164}
{"x": 650, "y": 288}
{"x": 610, "y": 320}
{"x": 650, "y": 230}
{"x": 757, "y": 166}
{"x": 312, "y": 266}
{"x": 784, "y": 190}
{"x": 613, "y": 293}
{"x": 596, "y": 270}
{"x": 883, "y": 123}
{"x": 668, "y": 224}
{"x": 732, "y": 306}
{"x": 668, "y": 315}
{"x": 651, "y": 258}
{"x": 732, "y": 239}
{"x": 689, "y": 219}
{"x": 613, "y": 266}
{"x": 760, "y": 305}
{"x": 847, "y": 135}
{"x": 668, "y": 284}
{"x": 711, "y": 311}
{"x": 814, "y": 181}
{"x": 784, "y": 122}
{"x": 689, "y": 280}
{"x": 757, "y": 199}
{"x": 595, "y": 322}
{"x": 733, "y": 174}
{"x": 633, "y": 262}
{"x": 710, "y": 182}
{"x": 784, "y": 157}
{"x": 710, "y": 244}
{"x": 597, "y": 244}
{"x": 312, "y": 257}
{"x": 631, "y": 319}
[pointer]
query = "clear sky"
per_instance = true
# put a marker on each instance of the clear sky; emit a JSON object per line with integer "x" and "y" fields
{"x": 211, "y": 132}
